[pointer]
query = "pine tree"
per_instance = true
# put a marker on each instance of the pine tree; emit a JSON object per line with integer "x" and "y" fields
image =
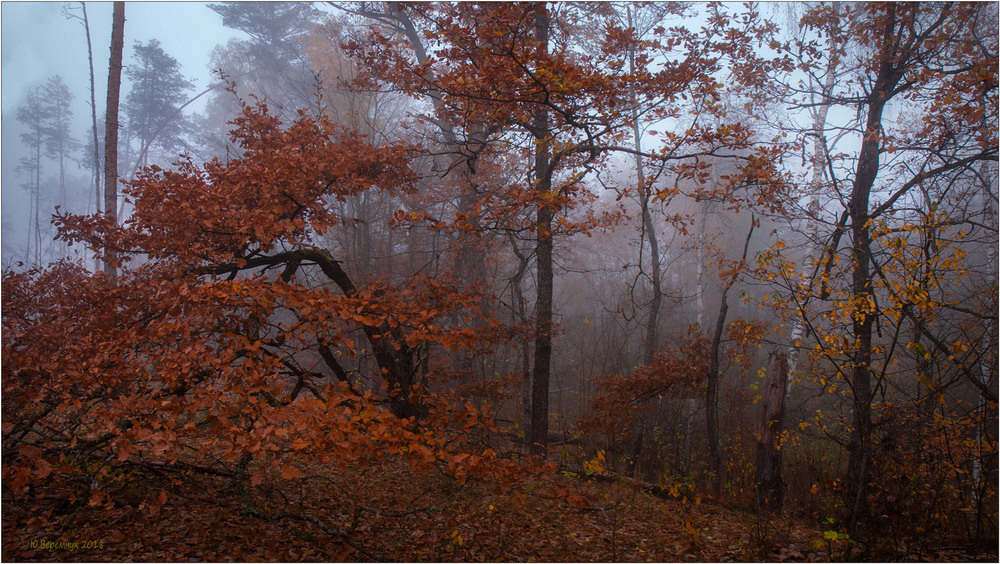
{"x": 33, "y": 115}
{"x": 59, "y": 141}
{"x": 152, "y": 106}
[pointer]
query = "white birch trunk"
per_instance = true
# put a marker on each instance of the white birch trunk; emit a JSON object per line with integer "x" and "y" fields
{"x": 818, "y": 165}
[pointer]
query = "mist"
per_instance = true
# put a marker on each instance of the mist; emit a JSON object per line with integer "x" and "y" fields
{"x": 503, "y": 281}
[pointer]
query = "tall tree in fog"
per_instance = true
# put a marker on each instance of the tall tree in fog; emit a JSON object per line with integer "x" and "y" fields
{"x": 59, "y": 141}
{"x": 272, "y": 63}
{"x": 158, "y": 90}
{"x": 111, "y": 125}
{"x": 375, "y": 115}
{"x": 916, "y": 47}
{"x": 33, "y": 115}
{"x": 46, "y": 115}
{"x": 94, "y": 146}
{"x": 641, "y": 20}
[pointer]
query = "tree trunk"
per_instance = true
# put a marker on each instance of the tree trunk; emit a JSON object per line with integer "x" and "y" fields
{"x": 111, "y": 126}
{"x": 60, "y": 125}
{"x": 712, "y": 398}
{"x": 93, "y": 117}
{"x": 648, "y": 229}
{"x": 860, "y": 445}
{"x": 691, "y": 407}
{"x": 648, "y": 233}
{"x": 635, "y": 447}
{"x": 38, "y": 205}
{"x": 543, "y": 257}
{"x": 93, "y": 110}
{"x": 818, "y": 166}
{"x": 36, "y": 193}
{"x": 520, "y": 316}
{"x": 393, "y": 356}
{"x": 770, "y": 488}
{"x": 987, "y": 366}
{"x": 712, "y": 383}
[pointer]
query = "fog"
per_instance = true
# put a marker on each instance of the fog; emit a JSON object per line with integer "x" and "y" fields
{"x": 39, "y": 42}
{"x": 682, "y": 247}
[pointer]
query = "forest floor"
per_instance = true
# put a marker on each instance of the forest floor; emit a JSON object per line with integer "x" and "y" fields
{"x": 397, "y": 515}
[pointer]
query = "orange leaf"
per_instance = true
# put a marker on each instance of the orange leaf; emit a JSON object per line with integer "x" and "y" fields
{"x": 96, "y": 497}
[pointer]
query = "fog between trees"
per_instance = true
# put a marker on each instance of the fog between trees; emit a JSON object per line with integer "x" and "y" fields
{"x": 594, "y": 222}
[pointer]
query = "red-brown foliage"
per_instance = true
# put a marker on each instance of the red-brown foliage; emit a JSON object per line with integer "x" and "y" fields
{"x": 677, "y": 370}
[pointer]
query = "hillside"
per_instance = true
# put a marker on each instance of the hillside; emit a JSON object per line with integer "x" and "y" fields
{"x": 414, "y": 517}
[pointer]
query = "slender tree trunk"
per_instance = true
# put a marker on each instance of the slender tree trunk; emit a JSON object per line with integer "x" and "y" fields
{"x": 652, "y": 321}
{"x": 858, "y": 468}
{"x": 93, "y": 110}
{"x": 38, "y": 203}
{"x": 700, "y": 266}
{"x": 543, "y": 259}
{"x": 62, "y": 172}
{"x": 860, "y": 446}
{"x": 648, "y": 233}
{"x": 111, "y": 124}
{"x": 60, "y": 123}
{"x": 543, "y": 330}
{"x": 520, "y": 316}
{"x": 712, "y": 397}
{"x": 818, "y": 166}
{"x": 691, "y": 404}
{"x": 977, "y": 483}
{"x": 712, "y": 383}
{"x": 32, "y": 118}
{"x": 648, "y": 229}
{"x": 31, "y": 214}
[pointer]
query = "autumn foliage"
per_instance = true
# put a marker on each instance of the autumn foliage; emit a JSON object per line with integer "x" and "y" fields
{"x": 216, "y": 353}
{"x": 677, "y": 370}
{"x": 241, "y": 371}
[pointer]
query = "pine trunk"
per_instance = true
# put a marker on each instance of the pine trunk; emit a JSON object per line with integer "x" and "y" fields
{"x": 111, "y": 125}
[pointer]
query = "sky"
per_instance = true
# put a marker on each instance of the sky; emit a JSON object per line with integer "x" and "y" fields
{"x": 37, "y": 42}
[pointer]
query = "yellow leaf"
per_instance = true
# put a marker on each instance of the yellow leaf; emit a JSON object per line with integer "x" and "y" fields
{"x": 690, "y": 528}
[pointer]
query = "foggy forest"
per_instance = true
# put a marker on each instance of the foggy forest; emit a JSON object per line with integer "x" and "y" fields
{"x": 553, "y": 281}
